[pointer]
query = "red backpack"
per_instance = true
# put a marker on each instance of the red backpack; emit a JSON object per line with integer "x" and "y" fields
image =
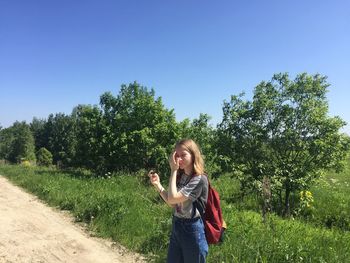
{"x": 212, "y": 217}
{"x": 214, "y": 225}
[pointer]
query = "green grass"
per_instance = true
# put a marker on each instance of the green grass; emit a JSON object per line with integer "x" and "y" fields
{"x": 126, "y": 209}
{"x": 332, "y": 200}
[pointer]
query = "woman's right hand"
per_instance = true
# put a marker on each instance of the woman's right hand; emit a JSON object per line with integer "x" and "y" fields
{"x": 154, "y": 178}
{"x": 174, "y": 161}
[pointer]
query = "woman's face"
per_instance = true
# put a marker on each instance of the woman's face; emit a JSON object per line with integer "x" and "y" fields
{"x": 185, "y": 158}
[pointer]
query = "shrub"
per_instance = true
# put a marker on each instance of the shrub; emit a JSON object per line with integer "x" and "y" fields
{"x": 26, "y": 163}
{"x": 44, "y": 157}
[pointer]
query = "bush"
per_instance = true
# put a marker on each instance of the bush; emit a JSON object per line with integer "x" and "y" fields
{"x": 44, "y": 157}
{"x": 26, "y": 163}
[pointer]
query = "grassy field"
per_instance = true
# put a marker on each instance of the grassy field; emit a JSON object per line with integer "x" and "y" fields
{"x": 126, "y": 209}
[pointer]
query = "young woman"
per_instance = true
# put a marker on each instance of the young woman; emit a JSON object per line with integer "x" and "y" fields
{"x": 188, "y": 188}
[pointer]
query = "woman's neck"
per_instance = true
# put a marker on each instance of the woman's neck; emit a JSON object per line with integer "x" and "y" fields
{"x": 188, "y": 171}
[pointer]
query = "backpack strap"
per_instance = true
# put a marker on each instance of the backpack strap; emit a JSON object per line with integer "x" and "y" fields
{"x": 197, "y": 205}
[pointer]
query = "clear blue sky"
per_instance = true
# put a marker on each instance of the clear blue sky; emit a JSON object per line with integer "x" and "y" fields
{"x": 55, "y": 55}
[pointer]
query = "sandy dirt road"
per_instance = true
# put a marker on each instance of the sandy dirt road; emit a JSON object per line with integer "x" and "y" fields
{"x": 32, "y": 232}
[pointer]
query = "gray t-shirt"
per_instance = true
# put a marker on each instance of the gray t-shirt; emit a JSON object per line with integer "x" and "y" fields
{"x": 195, "y": 188}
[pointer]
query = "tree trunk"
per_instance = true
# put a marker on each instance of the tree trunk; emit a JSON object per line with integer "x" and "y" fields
{"x": 286, "y": 212}
{"x": 266, "y": 195}
{"x": 280, "y": 202}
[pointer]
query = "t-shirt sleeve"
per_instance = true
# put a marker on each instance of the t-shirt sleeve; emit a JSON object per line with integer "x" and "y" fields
{"x": 193, "y": 189}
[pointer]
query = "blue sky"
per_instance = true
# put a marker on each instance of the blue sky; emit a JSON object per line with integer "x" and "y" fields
{"x": 55, "y": 55}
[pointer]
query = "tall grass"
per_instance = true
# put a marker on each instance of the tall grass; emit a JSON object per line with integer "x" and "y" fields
{"x": 126, "y": 209}
{"x": 332, "y": 200}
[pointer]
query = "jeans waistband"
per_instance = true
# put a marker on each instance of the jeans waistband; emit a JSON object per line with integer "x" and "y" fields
{"x": 185, "y": 220}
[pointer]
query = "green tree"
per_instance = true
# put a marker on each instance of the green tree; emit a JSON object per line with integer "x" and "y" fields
{"x": 6, "y": 139}
{"x": 61, "y": 138}
{"x": 37, "y": 126}
{"x": 22, "y": 143}
{"x": 44, "y": 157}
{"x": 90, "y": 137}
{"x": 140, "y": 131}
{"x": 284, "y": 135}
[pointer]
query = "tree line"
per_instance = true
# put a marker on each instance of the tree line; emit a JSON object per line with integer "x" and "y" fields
{"x": 276, "y": 144}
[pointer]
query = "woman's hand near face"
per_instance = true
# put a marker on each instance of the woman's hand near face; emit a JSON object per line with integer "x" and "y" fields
{"x": 174, "y": 161}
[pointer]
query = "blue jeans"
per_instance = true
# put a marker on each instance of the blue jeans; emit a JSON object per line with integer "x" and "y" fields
{"x": 187, "y": 241}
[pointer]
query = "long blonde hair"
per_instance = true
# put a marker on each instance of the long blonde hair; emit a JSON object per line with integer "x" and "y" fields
{"x": 193, "y": 149}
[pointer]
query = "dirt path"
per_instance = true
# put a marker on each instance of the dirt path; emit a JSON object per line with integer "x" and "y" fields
{"x": 33, "y": 232}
